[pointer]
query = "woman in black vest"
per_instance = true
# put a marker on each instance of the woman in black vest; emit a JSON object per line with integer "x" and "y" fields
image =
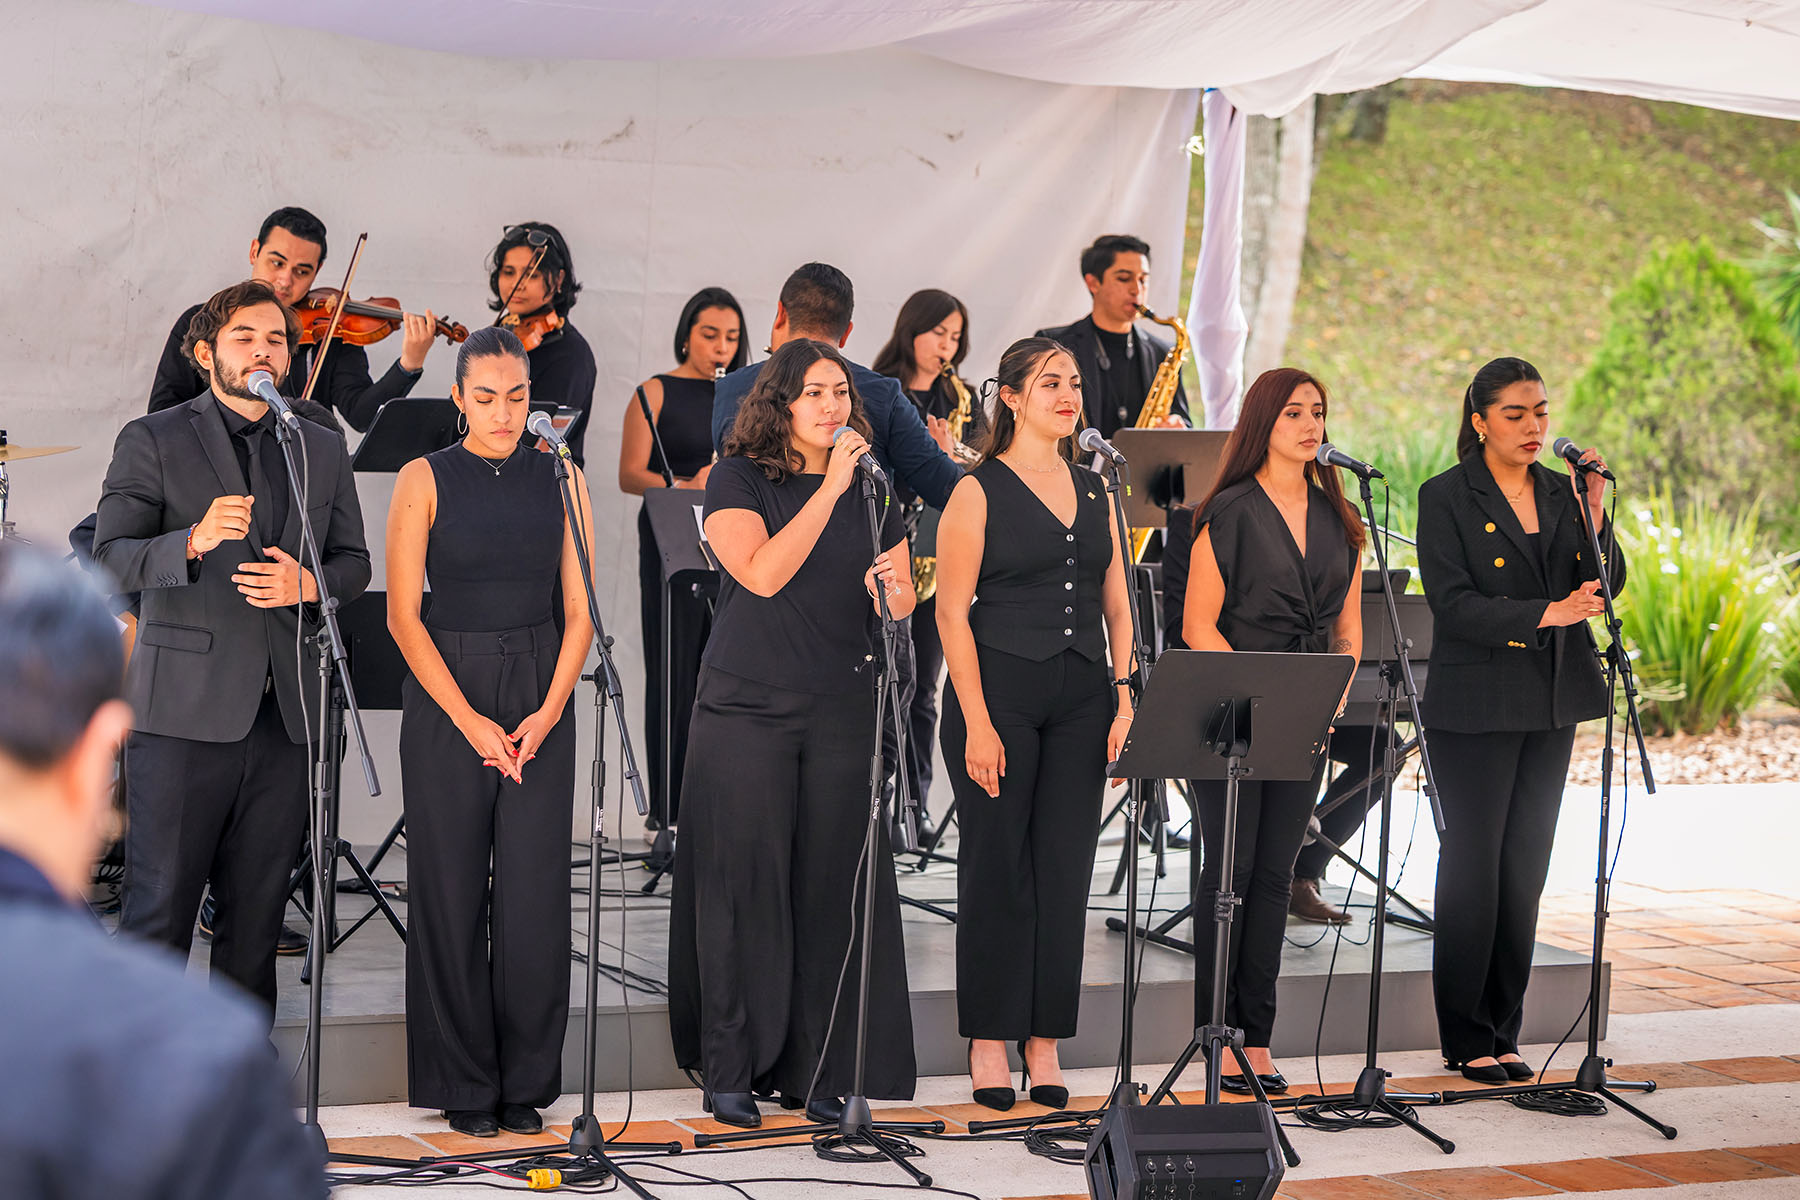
{"x": 708, "y": 341}
{"x": 1029, "y": 571}
{"x": 1276, "y": 550}
{"x": 487, "y": 971}
{"x": 775, "y": 800}
{"x": 1512, "y": 584}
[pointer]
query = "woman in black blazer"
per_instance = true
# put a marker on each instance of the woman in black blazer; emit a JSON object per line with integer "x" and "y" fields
{"x": 1514, "y": 668}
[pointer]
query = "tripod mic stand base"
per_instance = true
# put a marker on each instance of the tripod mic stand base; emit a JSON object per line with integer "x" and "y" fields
{"x": 1590, "y": 1080}
{"x": 1368, "y": 1098}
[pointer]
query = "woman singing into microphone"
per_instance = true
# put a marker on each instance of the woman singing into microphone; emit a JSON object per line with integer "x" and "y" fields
{"x": 487, "y": 824}
{"x": 1511, "y": 582}
{"x": 1029, "y": 573}
{"x": 708, "y": 340}
{"x": 775, "y": 800}
{"x": 1276, "y": 550}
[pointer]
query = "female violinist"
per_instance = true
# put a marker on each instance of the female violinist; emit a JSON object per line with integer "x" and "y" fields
{"x": 532, "y": 279}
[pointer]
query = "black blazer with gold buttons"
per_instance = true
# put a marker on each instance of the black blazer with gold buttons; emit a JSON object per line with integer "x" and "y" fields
{"x": 1492, "y": 668}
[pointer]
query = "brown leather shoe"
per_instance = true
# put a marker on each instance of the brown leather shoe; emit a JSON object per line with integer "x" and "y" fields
{"x": 1305, "y": 902}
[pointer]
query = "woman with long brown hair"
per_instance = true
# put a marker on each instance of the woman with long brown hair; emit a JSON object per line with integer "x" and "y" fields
{"x": 774, "y": 800}
{"x": 1276, "y": 553}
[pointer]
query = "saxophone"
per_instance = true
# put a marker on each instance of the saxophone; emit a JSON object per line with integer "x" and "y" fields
{"x": 1160, "y": 399}
{"x": 922, "y": 520}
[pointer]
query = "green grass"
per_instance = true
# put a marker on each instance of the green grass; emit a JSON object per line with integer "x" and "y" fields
{"x": 1500, "y": 221}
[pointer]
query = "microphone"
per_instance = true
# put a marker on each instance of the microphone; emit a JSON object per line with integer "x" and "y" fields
{"x": 1567, "y": 449}
{"x": 1330, "y": 456}
{"x": 866, "y": 462}
{"x": 1091, "y": 441}
{"x": 539, "y": 423}
{"x": 263, "y": 384}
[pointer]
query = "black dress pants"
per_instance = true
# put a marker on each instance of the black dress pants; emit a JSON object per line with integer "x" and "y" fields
{"x": 922, "y": 714}
{"x": 1026, "y": 860}
{"x": 690, "y": 623}
{"x": 228, "y": 812}
{"x": 767, "y": 897}
{"x": 487, "y": 968}
{"x": 1271, "y": 822}
{"x": 1501, "y": 794}
{"x": 1360, "y": 757}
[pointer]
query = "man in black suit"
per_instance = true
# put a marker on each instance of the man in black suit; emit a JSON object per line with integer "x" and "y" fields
{"x": 286, "y": 254}
{"x": 1117, "y": 360}
{"x": 124, "y": 1079}
{"x": 197, "y": 515}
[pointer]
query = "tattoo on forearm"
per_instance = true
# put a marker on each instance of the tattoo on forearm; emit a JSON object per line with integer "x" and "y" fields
{"x": 1341, "y": 646}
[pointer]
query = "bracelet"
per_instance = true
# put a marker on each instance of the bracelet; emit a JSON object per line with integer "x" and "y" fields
{"x": 1124, "y": 716}
{"x": 194, "y": 554}
{"x": 1125, "y": 682}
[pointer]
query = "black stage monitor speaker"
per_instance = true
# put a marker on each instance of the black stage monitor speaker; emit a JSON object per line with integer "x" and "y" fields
{"x": 1184, "y": 1152}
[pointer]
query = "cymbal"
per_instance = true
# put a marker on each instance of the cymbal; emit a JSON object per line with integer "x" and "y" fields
{"x": 15, "y": 453}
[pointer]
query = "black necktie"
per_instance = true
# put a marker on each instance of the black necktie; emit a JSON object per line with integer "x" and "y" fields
{"x": 268, "y": 483}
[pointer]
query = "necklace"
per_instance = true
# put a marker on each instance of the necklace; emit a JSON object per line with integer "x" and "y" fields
{"x": 487, "y": 462}
{"x": 1024, "y": 466}
{"x": 1515, "y": 497}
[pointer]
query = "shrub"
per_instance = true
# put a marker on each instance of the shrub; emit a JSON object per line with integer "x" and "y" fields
{"x": 1777, "y": 272}
{"x": 1701, "y": 611}
{"x": 1694, "y": 389}
{"x": 1787, "y": 675}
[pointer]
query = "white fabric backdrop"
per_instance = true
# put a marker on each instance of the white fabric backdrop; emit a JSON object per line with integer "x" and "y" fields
{"x": 142, "y": 148}
{"x": 1267, "y": 55}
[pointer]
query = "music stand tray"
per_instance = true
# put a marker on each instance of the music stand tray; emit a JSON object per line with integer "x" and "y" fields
{"x": 409, "y": 427}
{"x": 1168, "y": 467}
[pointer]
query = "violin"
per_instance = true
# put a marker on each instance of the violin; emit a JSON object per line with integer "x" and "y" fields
{"x": 363, "y": 321}
{"x": 534, "y": 330}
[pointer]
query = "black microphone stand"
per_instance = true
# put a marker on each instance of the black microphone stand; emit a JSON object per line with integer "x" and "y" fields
{"x": 1591, "y": 1077}
{"x": 1370, "y": 1096}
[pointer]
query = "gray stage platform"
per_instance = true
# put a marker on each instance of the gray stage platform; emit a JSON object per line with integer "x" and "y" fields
{"x": 364, "y": 1034}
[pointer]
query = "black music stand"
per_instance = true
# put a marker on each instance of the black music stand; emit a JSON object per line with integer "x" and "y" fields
{"x": 409, "y": 427}
{"x": 687, "y": 565}
{"x": 1171, "y": 466}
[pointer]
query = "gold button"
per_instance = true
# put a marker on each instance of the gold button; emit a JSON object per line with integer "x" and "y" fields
{"x": 1578, "y": 556}
{"x": 1499, "y": 562}
{"x": 1490, "y": 527}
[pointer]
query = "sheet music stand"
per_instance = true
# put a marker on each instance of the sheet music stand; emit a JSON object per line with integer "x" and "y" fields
{"x": 409, "y": 427}
{"x": 1169, "y": 467}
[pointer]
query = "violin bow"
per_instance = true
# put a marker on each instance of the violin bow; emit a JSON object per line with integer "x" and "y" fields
{"x": 337, "y": 311}
{"x": 533, "y": 237}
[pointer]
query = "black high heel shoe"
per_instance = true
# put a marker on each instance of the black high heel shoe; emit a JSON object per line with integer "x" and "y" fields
{"x": 1518, "y": 1072}
{"x": 1000, "y": 1099}
{"x": 1494, "y": 1072}
{"x": 1049, "y": 1095}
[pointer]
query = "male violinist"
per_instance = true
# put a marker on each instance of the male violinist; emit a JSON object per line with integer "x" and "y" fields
{"x": 286, "y": 254}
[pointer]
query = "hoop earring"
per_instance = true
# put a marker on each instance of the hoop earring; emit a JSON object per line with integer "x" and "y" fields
{"x": 462, "y": 423}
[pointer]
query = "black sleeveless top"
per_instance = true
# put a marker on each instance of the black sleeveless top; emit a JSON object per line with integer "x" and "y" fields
{"x": 1041, "y": 583}
{"x": 1275, "y": 600}
{"x": 495, "y": 547}
{"x": 683, "y": 426}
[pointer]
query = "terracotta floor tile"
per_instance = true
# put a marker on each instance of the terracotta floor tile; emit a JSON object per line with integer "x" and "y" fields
{"x": 769, "y": 1121}
{"x": 1788, "y": 964}
{"x": 1471, "y": 1183}
{"x": 907, "y": 1114}
{"x": 1702, "y": 1166}
{"x": 1786, "y": 1157}
{"x": 1753, "y": 1070}
{"x": 1785, "y": 910}
{"x": 1635, "y": 939}
{"x": 1348, "y": 1187}
{"x": 1589, "y": 1175}
{"x": 1723, "y": 995}
{"x": 1700, "y": 935}
{"x": 1771, "y": 952}
{"x": 451, "y": 1142}
{"x": 1673, "y": 1075}
{"x": 1663, "y": 977}
{"x": 1787, "y": 992}
{"x": 1645, "y": 1000}
{"x": 393, "y": 1146}
{"x": 1692, "y": 957}
{"x": 640, "y": 1131}
{"x": 1787, "y": 929}
{"x": 1654, "y": 918}
{"x": 1750, "y": 973}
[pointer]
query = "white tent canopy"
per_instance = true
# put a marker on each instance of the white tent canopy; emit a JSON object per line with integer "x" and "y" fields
{"x": 1267, "y": 56}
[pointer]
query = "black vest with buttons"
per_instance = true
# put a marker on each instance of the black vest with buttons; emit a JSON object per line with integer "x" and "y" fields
{"x": 1041, "y": 582}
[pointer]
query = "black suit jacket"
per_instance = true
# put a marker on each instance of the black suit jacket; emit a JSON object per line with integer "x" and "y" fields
{"x": 1492, "y": 668}
{"x": 345, "y": 386}
{"x": 1083, "y": 342}
{"x": 203, "y": 653}
{"x": 113, "y": 1035}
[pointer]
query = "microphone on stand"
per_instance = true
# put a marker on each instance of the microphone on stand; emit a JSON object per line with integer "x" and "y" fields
{"x": 866, "y": 462}
{"x": 1091, "y": 441}
{"x": 1330, "y": 456}
{"x": 540, "y": 423}
{"x": 1567, "y": 450}
{"x": 263, "y": 384}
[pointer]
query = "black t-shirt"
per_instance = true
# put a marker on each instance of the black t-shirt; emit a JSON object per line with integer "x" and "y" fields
{"x": 1123, "y": 384}
{"x": 563, "y": 372}
{"x": 1275, "y": 601}
{"x": 817, "y": 633}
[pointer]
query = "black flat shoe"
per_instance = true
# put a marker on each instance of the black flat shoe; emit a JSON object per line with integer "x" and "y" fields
{"x": 1235, "y": 1084}
{"x": 732, "y": 1108}
{"x": 519, "y": 1118}
{"x": 1000, "y": 1099}
{"x": 1518, "y": 1072}
{"x": 474, "y": 1122}
{"x": 291, "y": 942}
{"x": 1492, "y": 1073}
{"x": 1049, "y": 1095}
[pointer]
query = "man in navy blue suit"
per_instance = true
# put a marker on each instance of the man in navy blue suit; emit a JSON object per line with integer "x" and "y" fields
{"x": 123, "y": 1077}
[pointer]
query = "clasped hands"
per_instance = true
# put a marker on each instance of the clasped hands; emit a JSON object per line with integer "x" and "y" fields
{"x": 507, "y": 752}
{"x": 280, "y": 583}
